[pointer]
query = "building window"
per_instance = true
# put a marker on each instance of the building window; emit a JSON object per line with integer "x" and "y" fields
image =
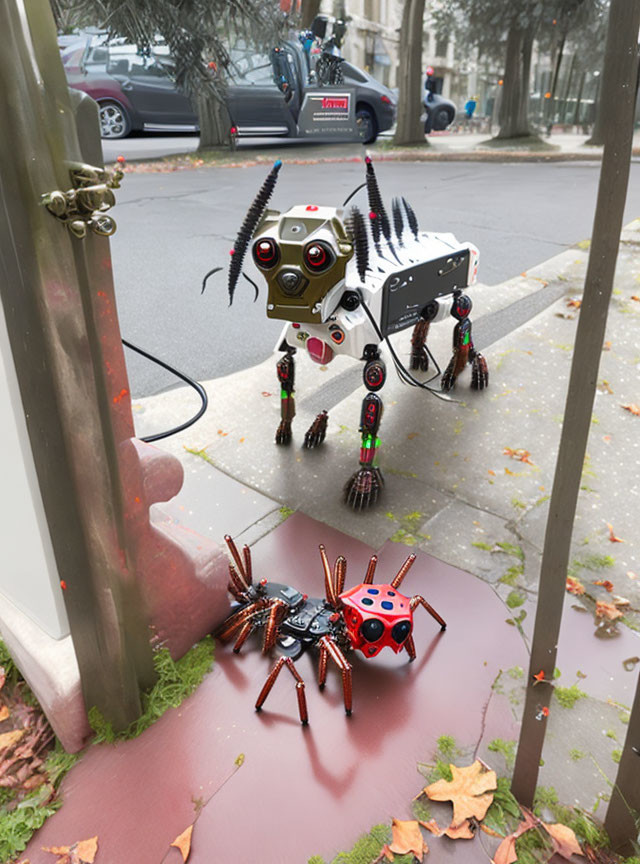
{"x": 441, "y": 46}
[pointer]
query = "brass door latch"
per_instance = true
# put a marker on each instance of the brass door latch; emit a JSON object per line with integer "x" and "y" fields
{"x": 85, "y": 204}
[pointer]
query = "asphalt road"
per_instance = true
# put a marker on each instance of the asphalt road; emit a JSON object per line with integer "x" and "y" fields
{"x": 173, "y": 228}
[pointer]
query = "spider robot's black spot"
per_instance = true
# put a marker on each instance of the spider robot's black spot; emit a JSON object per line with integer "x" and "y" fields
{"x": 400, "y": 631}
{"x": 371, "y": 630}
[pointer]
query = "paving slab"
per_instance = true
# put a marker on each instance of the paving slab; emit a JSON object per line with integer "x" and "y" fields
{"x": 301, "y": 791}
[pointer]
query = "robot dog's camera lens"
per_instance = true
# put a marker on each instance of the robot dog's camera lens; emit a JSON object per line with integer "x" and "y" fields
{"x": 318, "y": 257}
{"x": 265, "y": 253}
{"x": 372, "y": 629}
{"x": 400, "y": 631}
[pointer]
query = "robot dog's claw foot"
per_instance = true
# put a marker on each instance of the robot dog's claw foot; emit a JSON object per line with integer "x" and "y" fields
{"x": 363, "y": 488}
{"x": 315, "y": 434}
{"x": 420, "y": 361}
{"x": 283, "y": 433}
{"x": 448, "y": 380}
{"x": 479, "y": 373}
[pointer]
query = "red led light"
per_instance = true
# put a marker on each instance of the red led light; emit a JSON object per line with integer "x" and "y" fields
{"x": 385, "y": 99}
{"x": 296, "y": 326}
{"x": 316, "y": 256}
{"x": 233, "y": 130}
{"x": 121, "y": 160}
{"x": 373, "y": 215}
{"x": 311, "y": 207}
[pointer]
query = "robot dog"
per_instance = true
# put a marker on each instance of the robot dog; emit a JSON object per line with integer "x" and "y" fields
{"x": 344, "y": 286}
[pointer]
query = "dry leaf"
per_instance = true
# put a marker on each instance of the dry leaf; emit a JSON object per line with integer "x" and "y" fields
{"x": 183, "y": 842}
{"x": 607, "y": 610}
{"x": 81, "y": 852}
{"x": 8, "y": 739}
{"x": 574, "y": 303}
{"x": 632, "y": 408}
{"x": 432, "y": 826}
{"x": 574, "y": 586}
{"x": 564, "y": 840}
{"x": 605, "y": 387}
{"x": 605, "y": 584}
{"x": 635, "y": 297}
{"x": 460, "y": 832}
{"x": 612, "y": 534}
{"x": 506, "y": 851}
{"x": 407, "y": 837}
{"x": 468, "y": 791}
{"x": 519, "y": 454}
{"x": 4, "y": 713}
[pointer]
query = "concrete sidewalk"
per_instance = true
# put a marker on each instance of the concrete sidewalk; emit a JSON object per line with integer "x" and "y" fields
{"x": 457, "y": 493}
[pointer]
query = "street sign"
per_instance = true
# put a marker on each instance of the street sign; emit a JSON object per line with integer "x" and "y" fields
{"x": 329, "y": 114}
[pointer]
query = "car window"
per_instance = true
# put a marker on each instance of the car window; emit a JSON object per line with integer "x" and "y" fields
{"x": 136, "y": 66}
{"x": 251, "y": 69}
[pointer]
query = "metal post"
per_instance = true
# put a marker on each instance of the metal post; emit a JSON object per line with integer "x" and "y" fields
{"x": 57, "y": 293}
{"x": 618, "y": 101}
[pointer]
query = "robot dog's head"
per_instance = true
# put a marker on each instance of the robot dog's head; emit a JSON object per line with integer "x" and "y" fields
{"x": 302, "y": 254}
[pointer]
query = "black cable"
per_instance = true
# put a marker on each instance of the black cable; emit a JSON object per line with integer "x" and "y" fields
{"x": 355, "y": 191}
{"x": 202, "y": 393}
{"x": 403, "y": 372}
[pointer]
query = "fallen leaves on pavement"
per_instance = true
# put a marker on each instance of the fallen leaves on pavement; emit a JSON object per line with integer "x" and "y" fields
{"x": 406, "y": 837}
{"x": 612, "y": 534}
{"x": 506, "y": 851}
{"x": 632, "y": 408}
{"x": 81, "y": 852}
{"x": 183, "y": 842}
{"x": 519, "y": 454}
{"x": 607, "y": 610}
{"x": 606, "y": 584}
{"x": 563, "y": 839}
{"x": 574, "y": 586}
{"x": 470, "y": 792}
{"x": 574, "y": 303}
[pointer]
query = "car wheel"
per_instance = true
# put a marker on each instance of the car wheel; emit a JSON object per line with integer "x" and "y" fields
{"x": 114, "y": 120}
{"x": 441, "y": 119}
{"x": 366, "y": 123}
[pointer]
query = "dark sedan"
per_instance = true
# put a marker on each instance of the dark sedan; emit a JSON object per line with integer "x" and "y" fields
{"x": 139, "y": 93}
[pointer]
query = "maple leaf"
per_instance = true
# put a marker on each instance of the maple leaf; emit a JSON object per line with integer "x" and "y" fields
{"x": 519, "y": 454}
{"x": 183, "y": 842}
{"x": 405, "y": 837}
{"x": 612, "y": 534}
{"x": 605, "y": 584}
{"x": 469, "y": 791}
{"x": 632, "y": 408}
{"x": 432, "y": 826}
{"x": 506, "y": 851}
{"x": 607, "y": 610}
{"x": 81, "y": 852}
{"x": 574, "y": 586}
{"x": 563, "y": 839}
{"x": 460, "y": 832}
{"x": 8, "y": 739}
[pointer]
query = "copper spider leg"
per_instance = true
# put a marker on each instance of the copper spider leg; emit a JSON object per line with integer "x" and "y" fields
{"x": 237, "y": 619}
{"x": 246, "y": 631}
{"x": 268, "y": 684}
{"x": 339, "y": 575}
{"x": 236, "y": 586}
{"x": 329, "y": 587}
{"x": 276, "y": 617}
{"x": 344, "y": 666}
{"x": 410, "y": 648}
{"x": 241, "y": 572}
{"x": 402, "y": 572}
{"x": 371, "y": 570}
{"x": 417, "y": 600}
{"x": 322, "y": 667}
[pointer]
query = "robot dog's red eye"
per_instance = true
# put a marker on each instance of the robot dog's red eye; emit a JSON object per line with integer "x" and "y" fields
{"x": 318, "y": 256}
{"x": 265, "y": 253}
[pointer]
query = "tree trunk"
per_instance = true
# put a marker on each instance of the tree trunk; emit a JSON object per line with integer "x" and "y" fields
{"x": 567, "y": 89}
{"x": 514, "y": 119}
{"x": 214, "y": 120}
{"x": 409, "y": 129}
{"x": 620, "y": 76}
{"x": 576, "y": 113}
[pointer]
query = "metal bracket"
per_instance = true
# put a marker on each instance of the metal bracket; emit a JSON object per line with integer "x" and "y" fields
{"x": 85, "y": 204}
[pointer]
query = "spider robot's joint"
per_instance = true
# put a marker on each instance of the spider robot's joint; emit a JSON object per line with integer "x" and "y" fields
{"x": 463, "y": 348}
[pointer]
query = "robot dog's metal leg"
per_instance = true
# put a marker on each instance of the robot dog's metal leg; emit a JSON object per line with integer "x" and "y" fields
{"x": 286, "y": 376}
{"x": 365, "y": 485}
{"x": 463, "y": 348}
{"x": 315, "y": 434}
{"x": 419, "y": 356}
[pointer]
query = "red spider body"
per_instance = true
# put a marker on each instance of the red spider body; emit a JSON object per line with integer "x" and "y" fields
{"x": 367, "y": 618}
{"x": 377, "y": 611}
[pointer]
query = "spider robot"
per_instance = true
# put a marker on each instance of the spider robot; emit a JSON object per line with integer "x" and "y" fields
{"x": 367, "y": 617}
{"x": 344, "y": 286}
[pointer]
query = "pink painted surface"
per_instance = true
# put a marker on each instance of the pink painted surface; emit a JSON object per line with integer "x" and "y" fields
{"x": 301, "y": 791}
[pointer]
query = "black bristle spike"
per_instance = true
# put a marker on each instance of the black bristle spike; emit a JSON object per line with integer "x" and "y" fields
{"x": 375, "y": 204}
{"x": 254, "y": 214}
{"x": 357, "y": 231}
{"x": 398, "y": 221}
{"x": 411, "y": 216}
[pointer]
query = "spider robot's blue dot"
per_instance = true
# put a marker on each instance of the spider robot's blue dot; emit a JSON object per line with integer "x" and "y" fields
{"x": 372, "y": 591}
{"x": 391, "y": 593}
{"x": 387, "y": 604}
{"x": 367, "y": 601}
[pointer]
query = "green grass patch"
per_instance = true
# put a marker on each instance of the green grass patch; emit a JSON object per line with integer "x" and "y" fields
{"x": 18, "y": 825}
{"x": 512, "y": 574}
{"x": 516, "y": 672}
{"x": 576, "y": 755}
{"x": 365, "y": 850}
{"x": 176, "y": 680}
{"x": 479, "y": 544}
{"x": 515, "y": 599}
{"x": 285, "y": 512}
{"x": 506, "y": 748}
{"x": 201, "y": 454}
{"x": 511, "y": 549}
{"x": 568, "y": 696}
{"x": 616, "y": 755}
